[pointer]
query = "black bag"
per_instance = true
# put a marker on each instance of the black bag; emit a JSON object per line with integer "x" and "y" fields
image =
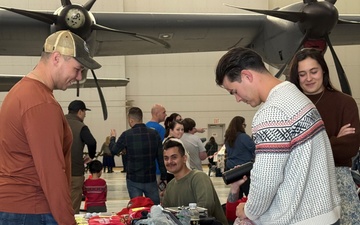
{"x": 218, "y": 172}
{"x": 237, "y": 173}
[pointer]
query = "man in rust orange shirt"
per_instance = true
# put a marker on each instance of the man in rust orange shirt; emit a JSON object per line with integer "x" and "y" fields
{"x": 35, "y": 138}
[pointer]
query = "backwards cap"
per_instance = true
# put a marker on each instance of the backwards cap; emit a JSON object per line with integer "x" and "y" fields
{"x": 70, "y": 44}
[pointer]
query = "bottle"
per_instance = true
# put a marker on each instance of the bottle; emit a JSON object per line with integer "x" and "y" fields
{"x": 195, "y": 216}
{"x": 184, "y": 216}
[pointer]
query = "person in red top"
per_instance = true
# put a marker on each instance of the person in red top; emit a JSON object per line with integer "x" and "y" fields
{"x": 95, "y": 189}
{"x": 35, "y": 138}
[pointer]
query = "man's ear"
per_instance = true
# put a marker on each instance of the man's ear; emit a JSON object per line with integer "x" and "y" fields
{"x": 247, "y": 74}
{"x": 185, "y": 157}
{"x": 131, "y": 121}
{"x": 55, "y": 57}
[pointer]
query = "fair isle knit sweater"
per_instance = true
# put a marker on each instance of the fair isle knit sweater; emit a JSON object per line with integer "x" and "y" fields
{"x": 293, "y": 178}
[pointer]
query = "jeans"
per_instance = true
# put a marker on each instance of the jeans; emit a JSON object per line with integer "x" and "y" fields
{"x": 150, "y": 190}
{"x": 350, "y": 205}
{"x": 26, "y": 219}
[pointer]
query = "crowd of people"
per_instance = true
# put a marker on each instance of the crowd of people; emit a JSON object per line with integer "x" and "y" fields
{"x": 303, "y": 139}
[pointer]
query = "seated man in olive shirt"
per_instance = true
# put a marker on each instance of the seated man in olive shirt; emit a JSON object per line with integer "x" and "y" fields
{"x": 189, "y": 186}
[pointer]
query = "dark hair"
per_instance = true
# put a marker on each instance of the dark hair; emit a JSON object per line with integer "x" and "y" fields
{"x": 314, "y": 54}
{"x": 135, "y": 113}
{"x": 173, "y": 116}
{"x": 95, "y": 166}
{"x": 235, "y": 126}
{"x": 171, "y": 126}
{"x": 168, "y": 120}
{"x": 171, "y": 142}
{"x": 236, "y": 60}
{"x": 212, "y": 139}
{"x": 189, "y": 124}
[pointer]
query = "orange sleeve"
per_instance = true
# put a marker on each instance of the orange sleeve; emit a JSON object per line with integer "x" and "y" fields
{"x": 49, "y": 136}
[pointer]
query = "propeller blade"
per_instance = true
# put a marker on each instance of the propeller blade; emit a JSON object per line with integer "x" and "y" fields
{"x": 279, "y": 73}
{"x": 43, "y": 17}
{"x": 331, "y": 1}
{"x": 344, "y": 83}
{"x": 89, "y": 4}
{"x": 341, "y": 21}
{"x": 102, "y": 99}
{"x": 140, "y": 36}
{"x": 65, "y": 2}
{"x": 309, "y": 1}
{"x": 77, "y": 88}
{"x": 286, "y": 15}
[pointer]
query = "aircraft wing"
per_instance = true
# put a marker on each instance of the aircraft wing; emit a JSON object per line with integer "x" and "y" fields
{"x": 346, "y": 34}
{"x": 20, "y": 35}
{"x": 195, "y": 32}
{"x": 183, "y": 32}
{"x": 7, "y": 81}
{"x": 23, "y": 36}
{"x": 104, "y": 82}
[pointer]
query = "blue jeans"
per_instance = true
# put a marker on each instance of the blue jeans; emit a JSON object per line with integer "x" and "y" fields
{"x": 150, "y": 190}
{"x": 26, "y": 219}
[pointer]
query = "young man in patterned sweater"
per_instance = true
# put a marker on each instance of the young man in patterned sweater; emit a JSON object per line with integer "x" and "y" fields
{"x": 293, "y": 178}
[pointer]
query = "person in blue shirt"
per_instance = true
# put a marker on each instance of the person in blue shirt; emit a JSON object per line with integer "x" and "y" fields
{"x": 158, "y": 115}
{"x": 240, "y": 148}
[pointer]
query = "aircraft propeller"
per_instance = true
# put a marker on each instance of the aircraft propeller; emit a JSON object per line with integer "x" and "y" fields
{"x": 316, "y": 20}
{"x": 101, "y": 96}
{"x": 79, "y": 20}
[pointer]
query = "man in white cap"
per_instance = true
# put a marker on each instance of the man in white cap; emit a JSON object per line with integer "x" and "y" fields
{"x": 35, "y": 138}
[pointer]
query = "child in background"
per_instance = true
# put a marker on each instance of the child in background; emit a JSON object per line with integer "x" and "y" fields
{"x": 108, "y": 158}
{"x": 95, "y": 189}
